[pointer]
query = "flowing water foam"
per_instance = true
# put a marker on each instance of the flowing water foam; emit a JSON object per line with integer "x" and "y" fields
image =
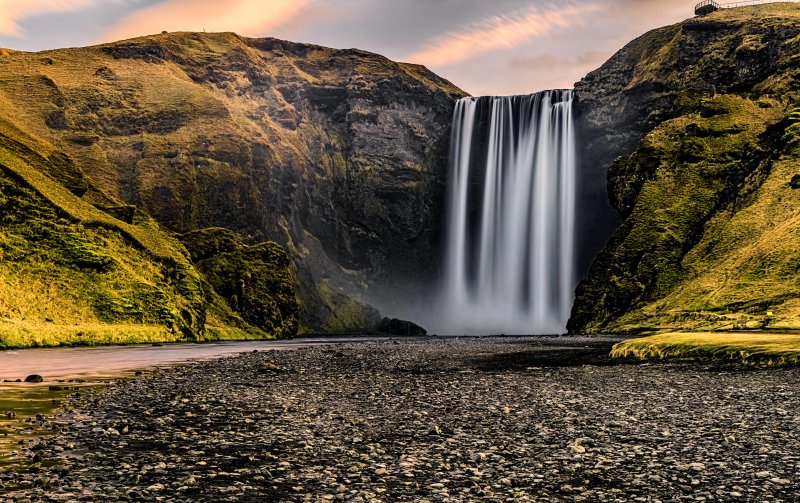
{"x": 510, "y": 257}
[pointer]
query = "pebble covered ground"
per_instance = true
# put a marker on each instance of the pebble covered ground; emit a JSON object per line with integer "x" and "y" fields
{"x": 428, "y": 419}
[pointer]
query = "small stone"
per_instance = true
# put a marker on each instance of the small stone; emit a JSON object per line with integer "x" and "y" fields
{"x": 577, "y": 448}
{"x": 269, "y": 367}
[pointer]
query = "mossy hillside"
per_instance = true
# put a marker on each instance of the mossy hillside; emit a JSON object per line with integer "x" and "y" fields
{"x": 73, "y": 275}
{"x": 79, "y": 268}
{"x": 708, "y": 237}
{"x": 65, "y": 283}
{"x": 256, "y": 281}
{"x": 261, "y": 136}
{"x": 743, "y": 270}
{"x": 684, "y": 173}
{"x": 42, "y": 171}
{"x": 346, "y": 315}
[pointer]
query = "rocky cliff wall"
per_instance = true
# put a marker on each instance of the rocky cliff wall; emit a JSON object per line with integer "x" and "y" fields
{"x": 340, "y": 156}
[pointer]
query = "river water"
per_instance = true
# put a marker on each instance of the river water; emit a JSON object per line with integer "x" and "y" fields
{"x": 113, "y": 361}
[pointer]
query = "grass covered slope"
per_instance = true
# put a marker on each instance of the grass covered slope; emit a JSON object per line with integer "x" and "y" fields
{"x": 743, "y": 348}
{"x": 74, "y": 274}
{"x": 336, "y": 151}
{"x": 256, "y": 281}
{"x": 710, "y": 196}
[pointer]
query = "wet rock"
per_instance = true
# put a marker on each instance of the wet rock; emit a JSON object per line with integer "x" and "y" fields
{"x": 395, "y": 326}
{"x": 34, "y": 378}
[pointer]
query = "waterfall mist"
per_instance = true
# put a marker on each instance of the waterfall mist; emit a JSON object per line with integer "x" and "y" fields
{"x": 510, "y": 245}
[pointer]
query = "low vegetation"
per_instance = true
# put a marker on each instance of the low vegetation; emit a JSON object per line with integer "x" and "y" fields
{"x": 747, "y": 348}
{"x": 255, "y": 281}
{"x": 78, "y": 267}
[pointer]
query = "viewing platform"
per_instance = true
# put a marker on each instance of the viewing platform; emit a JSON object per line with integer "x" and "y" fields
{"x": 708, "y": 6}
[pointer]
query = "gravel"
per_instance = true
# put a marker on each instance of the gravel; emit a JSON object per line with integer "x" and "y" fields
{"x": 432, "y": 419}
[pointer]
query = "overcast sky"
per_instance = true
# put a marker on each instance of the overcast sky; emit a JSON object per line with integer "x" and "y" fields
{"x": 483, "y": 46}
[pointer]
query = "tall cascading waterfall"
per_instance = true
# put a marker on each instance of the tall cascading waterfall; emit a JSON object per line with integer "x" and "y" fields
{"x": 510, "y": 257}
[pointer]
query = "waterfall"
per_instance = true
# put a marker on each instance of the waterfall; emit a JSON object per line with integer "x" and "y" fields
{"x": 510, "y": 265}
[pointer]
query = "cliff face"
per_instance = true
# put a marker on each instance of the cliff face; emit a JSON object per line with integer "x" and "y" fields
{"x": 339, "y": 156}
{"x": 80, "y": 267}
{"x": 697, "y": 122}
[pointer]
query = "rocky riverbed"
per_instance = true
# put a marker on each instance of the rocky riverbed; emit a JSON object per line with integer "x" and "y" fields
{"x": 434, "y": 419}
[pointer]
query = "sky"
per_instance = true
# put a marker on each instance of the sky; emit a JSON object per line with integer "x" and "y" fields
{"x": 486, "y": 47}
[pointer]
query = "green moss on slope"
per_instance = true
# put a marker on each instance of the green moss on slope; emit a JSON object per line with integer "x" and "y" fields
{"x": 66, "y": 283}
{"x": 709, "y": 237}
{"x": 71, "y": 273}
{"x": 255, "y": 281}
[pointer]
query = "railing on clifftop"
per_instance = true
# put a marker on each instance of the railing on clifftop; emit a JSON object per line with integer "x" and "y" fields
{"x": 705, "y": 7}
{"x": 708, "y": 6}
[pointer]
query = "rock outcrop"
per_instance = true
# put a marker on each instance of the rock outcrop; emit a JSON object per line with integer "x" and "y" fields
{"x": 697, "y": 125}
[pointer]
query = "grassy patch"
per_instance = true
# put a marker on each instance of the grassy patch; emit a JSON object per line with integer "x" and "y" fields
{"x": 746, "y": 348}
{"x": 14, "y": 334}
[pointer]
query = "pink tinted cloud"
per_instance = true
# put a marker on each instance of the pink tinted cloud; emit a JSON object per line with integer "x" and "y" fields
{"x": 498, "y": 32}
{"x": 246, "y": 17}
{"x": 13, "y": 11}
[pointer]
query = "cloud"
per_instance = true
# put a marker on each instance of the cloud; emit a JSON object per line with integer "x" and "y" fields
{"x": 550, "y": 62}
{"x": 13, "y": 11}
{"x": 246, "y": 17}
{"x": 498, "y": 32}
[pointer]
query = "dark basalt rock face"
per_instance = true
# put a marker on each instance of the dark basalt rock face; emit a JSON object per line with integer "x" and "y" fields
{"x": 678, "y": 106}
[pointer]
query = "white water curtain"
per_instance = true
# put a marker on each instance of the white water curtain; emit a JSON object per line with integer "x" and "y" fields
{"x": 510, "y": 254}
